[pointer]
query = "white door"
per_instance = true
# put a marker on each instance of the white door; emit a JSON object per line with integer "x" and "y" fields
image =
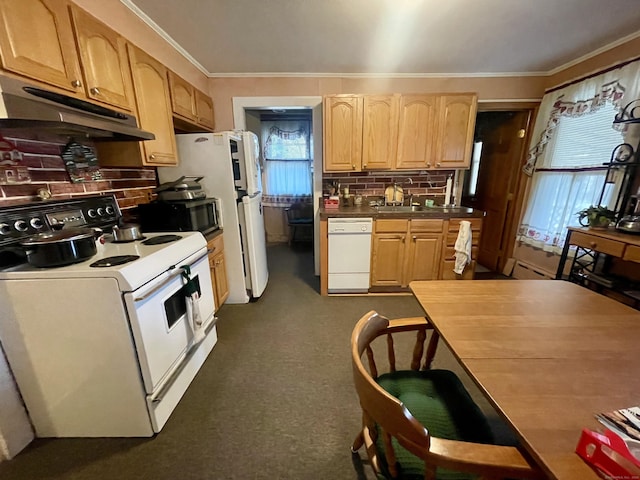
{"x": 254, "y": 248}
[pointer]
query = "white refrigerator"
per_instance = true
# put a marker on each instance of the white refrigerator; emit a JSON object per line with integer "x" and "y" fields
{"x": 227, "y": 160}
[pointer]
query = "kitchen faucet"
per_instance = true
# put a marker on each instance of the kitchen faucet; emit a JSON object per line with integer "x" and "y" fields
{"x": 410, "y": 180}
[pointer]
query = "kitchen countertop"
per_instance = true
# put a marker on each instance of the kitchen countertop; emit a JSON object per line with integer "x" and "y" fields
{"x": 366, "y": 211}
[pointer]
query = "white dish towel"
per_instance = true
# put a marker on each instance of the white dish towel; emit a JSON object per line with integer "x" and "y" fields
{"x": 463, "y": 247}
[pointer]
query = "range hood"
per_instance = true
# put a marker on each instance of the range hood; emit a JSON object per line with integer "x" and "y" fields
{"x": 25, "y": 106}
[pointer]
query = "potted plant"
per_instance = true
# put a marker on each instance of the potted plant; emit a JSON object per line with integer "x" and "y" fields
{"x": 596, "y": 217}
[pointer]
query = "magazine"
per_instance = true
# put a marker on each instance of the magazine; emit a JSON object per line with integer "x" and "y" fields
{"x": 626, "y": 424}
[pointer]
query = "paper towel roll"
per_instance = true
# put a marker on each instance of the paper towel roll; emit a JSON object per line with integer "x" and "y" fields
{"x": 447, "y": 194}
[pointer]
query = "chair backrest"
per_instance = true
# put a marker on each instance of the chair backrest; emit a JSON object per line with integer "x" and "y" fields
{"x": 300, "y": 211}
{"x": 384, "y": 408}
{"x": 385, "y": 413}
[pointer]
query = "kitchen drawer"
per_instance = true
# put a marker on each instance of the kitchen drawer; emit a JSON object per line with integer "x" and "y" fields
{"x": 396, "y": 225}
{"x": 602, "y": 245}
{"x": 423, "y": 225}
{"x": 453, "y": 236}
{"x": 632, "y": 253}
{"x": 454, "y": 224}
{"x": 449, "y": 274}
{"x": 450, "y": 252}
{"x": 215, "y": 246}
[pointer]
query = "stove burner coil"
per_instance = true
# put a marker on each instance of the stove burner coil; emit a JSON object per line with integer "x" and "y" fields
{"x": 129, "y": 241}
{"x": 161, "y": 239}
{"x": 113, "y": 261}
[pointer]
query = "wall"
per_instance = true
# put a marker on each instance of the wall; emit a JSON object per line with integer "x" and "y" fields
{"x": 118, "y": 17}
{"x": 42, "y": 156}
{"x": 222, "y": 90}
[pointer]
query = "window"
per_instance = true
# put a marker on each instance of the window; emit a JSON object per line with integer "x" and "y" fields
{"x": 569, "y": 174}
{"x": 287, "y": 147}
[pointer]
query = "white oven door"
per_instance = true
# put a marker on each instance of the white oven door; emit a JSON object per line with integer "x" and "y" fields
{"x": 162, "y": 330}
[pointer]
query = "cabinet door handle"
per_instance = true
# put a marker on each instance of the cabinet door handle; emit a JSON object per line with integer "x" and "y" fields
{"x": 95, "y": 90}
{"x": 438, "y": 164}
{"x": 152, "y": 156}
{"x": 593, "y": 244}
{"x": 76, "y": 83}
{"x": 403, "y": 239}
{"x": 414, "y": 238}
{"x": 428, "y": 165}
{"x": 353, "y": 166}
{"x": 364, "y": 166}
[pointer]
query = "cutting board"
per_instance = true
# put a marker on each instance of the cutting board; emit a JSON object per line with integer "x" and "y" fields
{"x": 394, "y": 195}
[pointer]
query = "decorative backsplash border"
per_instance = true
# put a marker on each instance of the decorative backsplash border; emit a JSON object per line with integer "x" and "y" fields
{"x": 42, "y": 155}
{"x": 372, "y": 184}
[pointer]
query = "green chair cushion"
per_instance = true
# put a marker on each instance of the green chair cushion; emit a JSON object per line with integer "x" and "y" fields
{"x": 439, "y": 401}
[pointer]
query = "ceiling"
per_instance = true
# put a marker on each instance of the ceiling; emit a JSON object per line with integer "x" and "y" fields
{"x": 394, "y": 37}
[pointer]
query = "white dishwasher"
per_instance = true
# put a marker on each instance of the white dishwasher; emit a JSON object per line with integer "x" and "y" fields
{"x": 349, "y": 254}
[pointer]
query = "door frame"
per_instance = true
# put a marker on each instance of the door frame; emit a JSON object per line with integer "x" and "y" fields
{"x": 240, "y": 104}
{"x": 514, "y": 217}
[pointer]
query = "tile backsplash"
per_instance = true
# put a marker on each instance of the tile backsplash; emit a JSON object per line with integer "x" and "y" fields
{"x": 372, "y": 184}
{"x": 42, "y": 155}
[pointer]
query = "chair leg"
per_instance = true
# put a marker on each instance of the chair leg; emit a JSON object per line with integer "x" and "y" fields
{"x": 358, "y": 442}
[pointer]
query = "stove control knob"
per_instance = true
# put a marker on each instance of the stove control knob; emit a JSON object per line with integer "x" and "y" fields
{"x": 101, "y": 211}
{"x": 91, "y": 213}
{"x": 36, "y": 223}
{"x": 21, "y": 225}
{"x": 110, "y": 210}
{"x": 5, "y": 229}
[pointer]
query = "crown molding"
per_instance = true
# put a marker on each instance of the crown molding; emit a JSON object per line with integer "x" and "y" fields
{"x": 375, "y": 75}
{"x": 594, "y": 53}
{"x": 166, "y": 37}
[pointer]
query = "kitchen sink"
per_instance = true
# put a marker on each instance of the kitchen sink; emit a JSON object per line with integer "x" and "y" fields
{"x": 400, "y": 208}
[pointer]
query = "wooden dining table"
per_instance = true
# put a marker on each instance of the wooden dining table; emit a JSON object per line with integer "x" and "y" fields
{"x": 548, "y": 354}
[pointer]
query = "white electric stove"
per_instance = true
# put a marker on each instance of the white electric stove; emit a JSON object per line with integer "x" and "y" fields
{"x": 101, "y": 348}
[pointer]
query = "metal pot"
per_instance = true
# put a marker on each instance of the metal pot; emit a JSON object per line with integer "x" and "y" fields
{"x": 127, "y": 232}
{"x": 629, "y": 224}
{"x": 62, "y": 247}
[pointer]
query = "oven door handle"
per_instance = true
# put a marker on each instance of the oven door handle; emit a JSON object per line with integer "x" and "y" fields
{"x": 175, "y": 271}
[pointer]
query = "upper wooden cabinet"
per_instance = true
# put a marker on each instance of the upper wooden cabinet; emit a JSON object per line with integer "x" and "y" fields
{"x": 36, "y": 40}
{"x": 56, "y": 43}
{"x": 104, "y": 61}
{"x": 204, "y": 110}
{"x": 379, "y": 131}
{"x": 417, "y": 131}
{"x": 183, "y": 97}
{"x": 151, "y": 88}
{"x": 398, "y": 132}
{"x": 360, "y": 132}
{"x": 342, "y": 133}
{"x": 436, "y": 131}
{"x": 456, "y": 117}
{"x": 190, "y": 104}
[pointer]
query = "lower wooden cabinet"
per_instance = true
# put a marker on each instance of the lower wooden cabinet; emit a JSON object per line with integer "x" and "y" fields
{"x": 218, "y": 270}
{"x": 449, "y": 259}
{"x": 405, "y": 250}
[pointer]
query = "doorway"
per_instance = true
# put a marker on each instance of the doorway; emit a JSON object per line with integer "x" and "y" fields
{"x": 286, "y": 141}
{"x": 495, "y": 182}
{"x": 241, "y": 104}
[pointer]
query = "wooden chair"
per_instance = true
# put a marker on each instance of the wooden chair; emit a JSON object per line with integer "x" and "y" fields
{"x": 299, "y": 215}
{"x": 422, "y": 423}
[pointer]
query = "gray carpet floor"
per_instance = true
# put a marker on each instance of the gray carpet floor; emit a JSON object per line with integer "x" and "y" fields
{"x": 274, "y": 399}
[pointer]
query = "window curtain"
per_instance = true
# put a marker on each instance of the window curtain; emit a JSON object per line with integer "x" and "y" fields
{"x": 287, "y": 148}
{"x": 567, "y": 172}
